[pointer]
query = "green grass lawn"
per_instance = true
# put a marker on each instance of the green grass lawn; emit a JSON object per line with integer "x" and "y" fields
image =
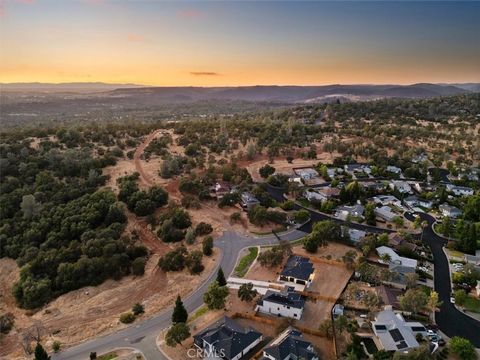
{"x": 109, "y": 356}
{"x": 200, "y": 312}
{"x": 472, "y": 304}
{"x": 246, "y": 261}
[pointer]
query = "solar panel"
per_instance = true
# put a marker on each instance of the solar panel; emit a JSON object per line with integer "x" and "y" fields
{"x": 396, "y": 335}
{"x": 418, "y": 328}
{"x": 402, "y": 345}
{"x": 381, "y": 327}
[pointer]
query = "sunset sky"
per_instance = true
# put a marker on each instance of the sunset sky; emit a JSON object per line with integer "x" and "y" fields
{"x": 239, "y": 43}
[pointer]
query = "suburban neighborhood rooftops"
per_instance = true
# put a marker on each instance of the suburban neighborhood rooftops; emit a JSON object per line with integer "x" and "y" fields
{"x": 227, "y": 335}
{"x": 291, "y": 345}
{"x": 298, "y": 267}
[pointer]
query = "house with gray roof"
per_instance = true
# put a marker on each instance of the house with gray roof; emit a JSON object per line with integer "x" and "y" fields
{"x": 290, "y": 345}
{"x": 450, "y": 211}
{"x": 286, "y": 303}
{"x": 227, "y": 339}
{"x": 394, "y": 333}
{"x": 248, "y": 201}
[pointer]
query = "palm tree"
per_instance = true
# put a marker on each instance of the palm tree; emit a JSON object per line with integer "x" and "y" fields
{"x": 424, "y": 225}
{"x": 246, "y": 292}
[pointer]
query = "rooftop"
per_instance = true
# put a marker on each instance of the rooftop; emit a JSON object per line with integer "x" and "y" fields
{"x": 287, "y": 297}
{"x": 298, "y": 267}
{"x": 227, "y": 335}
{"x": 291, "y": 345}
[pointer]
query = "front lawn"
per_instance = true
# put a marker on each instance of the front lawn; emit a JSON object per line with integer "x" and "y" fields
{"x": 472, "y": 304}
{"x": 246, "y": 261}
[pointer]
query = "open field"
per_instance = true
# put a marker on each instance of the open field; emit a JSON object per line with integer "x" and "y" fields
{"x": 94, "y": 310}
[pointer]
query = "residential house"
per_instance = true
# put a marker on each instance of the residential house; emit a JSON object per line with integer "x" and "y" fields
{"x": 394, "y": 170}
{"x": 398, "y": 265}
{"x": 387, "y": 200}
{"x": 290, "y": 345}
{"x": 227, "y": 339}
{"x": 355, "y": 235}
{"x": 419, "y": 158}
{"x": 401, "y": 186}
{"x": 286, "y": 303}
{"x": 220, "y": 189}
{"x": 314, "y": 196}
{"x": 414, "y": 201}
{"x": 353, "y": 169}
{"x": 385, "y": 212}
{"x": 343, "y": 212}
{"x": 329, "y": 192}
{"x": 248, "y": 201}
{"x": 297, "y": 270}
{"x": 396, "y": 241}
{"x": 460, "y": 190}
{"x": 449, "y": 211}
{"x": 394, "y": 333}
{"x": 306, "y": 173}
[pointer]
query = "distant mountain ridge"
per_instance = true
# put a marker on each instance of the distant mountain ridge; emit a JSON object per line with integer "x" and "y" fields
{"x": 292, "y": 94}
{"x": 259, "y": 93}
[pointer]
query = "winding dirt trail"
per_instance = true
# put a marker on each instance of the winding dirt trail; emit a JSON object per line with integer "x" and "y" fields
{"x": 144, "y": 178}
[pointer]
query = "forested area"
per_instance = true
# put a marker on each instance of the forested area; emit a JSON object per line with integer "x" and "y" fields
{"x": 62, "y": 230}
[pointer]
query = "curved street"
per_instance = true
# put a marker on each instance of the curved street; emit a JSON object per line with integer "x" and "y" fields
{"x": 449, "y": 319}
{"x": 142, "y": 336}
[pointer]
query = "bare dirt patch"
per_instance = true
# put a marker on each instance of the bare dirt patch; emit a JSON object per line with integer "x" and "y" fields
{"x": 94, "y": 311}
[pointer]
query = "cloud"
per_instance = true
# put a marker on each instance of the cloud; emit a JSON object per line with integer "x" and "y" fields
{"x": 135, "y": 38}
{"x": 25, "y": 1}
{"x": 204, "y": 73}
{"x": 190, "y": 14}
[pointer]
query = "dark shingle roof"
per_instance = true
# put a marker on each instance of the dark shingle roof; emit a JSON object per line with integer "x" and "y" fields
{"x": 227, "y": 335}
{"x": 286, "y": 298}
{"x": 298, "y": 267}
{"x": 292, "y": 345}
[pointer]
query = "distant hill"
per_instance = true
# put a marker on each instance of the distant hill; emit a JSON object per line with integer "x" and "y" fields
{"x": 64, "y": 87}
{"x": 292, "y": 94}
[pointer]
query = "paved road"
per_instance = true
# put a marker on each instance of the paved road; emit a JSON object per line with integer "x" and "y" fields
{"x": 449, "y": 319}
{"x": 142, "y": 336}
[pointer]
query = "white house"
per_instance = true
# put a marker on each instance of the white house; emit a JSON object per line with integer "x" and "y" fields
{"x": 394, "y": 333}
{"x": 290, "y": 345}
{"x": 394, "y": 169}
{"x": 395, "y": 258}
{"x": 286, "y": 303}
{"x": 357, "y": 168}
{"x": 314, "y": 196}
{"x": 307, "y": 173}
{"x": 401, "y": 186}
{"x": 387, "y": 200}
{"x": 413, "y": 202}
{"x": 385, "y": 212}
{"x": 450, "y": 211}
{"x": 226, "y": 339}
{"x": 343, "y": 212}
{"x": 460, "y": 190}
